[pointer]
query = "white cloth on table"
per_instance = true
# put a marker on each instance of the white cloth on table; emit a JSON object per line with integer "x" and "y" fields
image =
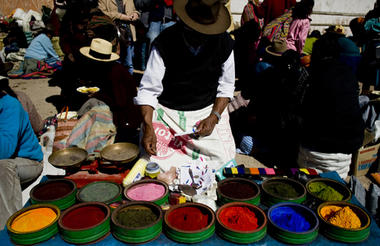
{"x": 325, "y": 162}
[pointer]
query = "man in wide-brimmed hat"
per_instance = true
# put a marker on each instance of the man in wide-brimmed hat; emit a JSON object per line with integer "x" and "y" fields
{"x": 186, "y": 87}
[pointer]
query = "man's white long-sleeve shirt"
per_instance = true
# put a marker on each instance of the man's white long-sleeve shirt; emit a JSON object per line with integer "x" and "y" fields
{"x": 151, "y": 83}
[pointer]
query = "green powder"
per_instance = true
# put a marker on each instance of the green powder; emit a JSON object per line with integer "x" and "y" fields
{"x": 282, "y": 189}
{"x": 325, "y": 192}
{"x": 136, "y": 216}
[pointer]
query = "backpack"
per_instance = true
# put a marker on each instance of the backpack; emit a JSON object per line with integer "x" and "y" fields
{"x": 278, "y": 28}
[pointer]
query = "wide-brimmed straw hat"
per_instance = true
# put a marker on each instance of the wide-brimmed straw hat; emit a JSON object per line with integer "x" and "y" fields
{"x": 204, "y": 16}
{"x": 337, "y": 29}
{"x": 277, "y": 48}
{"x": 100, "y": 50}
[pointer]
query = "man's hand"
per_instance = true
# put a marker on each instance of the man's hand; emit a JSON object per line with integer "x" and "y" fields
{"x": 149, "y": 140}
{"x": 206, "y": 126}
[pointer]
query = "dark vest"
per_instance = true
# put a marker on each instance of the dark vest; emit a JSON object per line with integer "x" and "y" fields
{"x": 191, "y": 81}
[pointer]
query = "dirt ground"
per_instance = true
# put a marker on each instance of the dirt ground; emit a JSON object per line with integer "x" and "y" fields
{"x": 38, "y": 90}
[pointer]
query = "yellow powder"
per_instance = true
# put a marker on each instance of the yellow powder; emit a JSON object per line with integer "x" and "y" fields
{"x": 33, "y": 220}
{"x": 328, "y": 211}
{"x": 345, "y": 218}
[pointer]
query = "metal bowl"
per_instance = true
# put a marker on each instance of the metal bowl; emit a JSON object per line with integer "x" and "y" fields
{"x": 120, "y": 152}
{"x": 68, "y": 157}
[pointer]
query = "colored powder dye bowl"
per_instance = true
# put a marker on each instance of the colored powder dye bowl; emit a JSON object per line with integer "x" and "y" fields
{"x": 189, "y": 223}
{"x": 100, "y": 191}
{"x": 332, "y": 184}
{"x": 238, "y": 190}
{"x": 137, "y": 222}
{"x": 149, "y": 190}
{"x": 341, "y": 234}
{"x": 85, "y": 223}
{"x": 292, "y": 223}
{"x": 277, "y": 190}
{"x": 60, "y": 192}
{"x": 243, "y": 232}
{"x": 32, "y": 230}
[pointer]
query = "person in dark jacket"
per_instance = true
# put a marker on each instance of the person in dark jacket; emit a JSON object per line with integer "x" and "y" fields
{"x": 333, "y": 127}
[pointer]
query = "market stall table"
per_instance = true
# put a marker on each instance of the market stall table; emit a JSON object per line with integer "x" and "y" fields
{"x": 373, "y": 239}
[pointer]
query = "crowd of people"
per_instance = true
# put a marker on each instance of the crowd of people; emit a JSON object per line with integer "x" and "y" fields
{"x": 298, "y": 99}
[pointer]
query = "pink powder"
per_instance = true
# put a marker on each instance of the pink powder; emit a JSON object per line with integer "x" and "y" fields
{"x": 146, "y": 192}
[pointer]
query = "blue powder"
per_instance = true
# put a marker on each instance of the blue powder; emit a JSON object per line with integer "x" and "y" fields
{"x": 289, "y": 219}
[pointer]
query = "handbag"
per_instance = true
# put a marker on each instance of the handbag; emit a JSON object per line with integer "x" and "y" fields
{"x": 123, "y": 27}
{"x": 64, "y": 126}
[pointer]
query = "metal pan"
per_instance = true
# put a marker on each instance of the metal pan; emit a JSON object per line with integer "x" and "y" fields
{"x": 68, "y": 157}
{"x": 120, "y": 152}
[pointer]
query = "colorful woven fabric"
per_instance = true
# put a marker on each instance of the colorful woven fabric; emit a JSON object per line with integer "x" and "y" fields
{"x": 93, "y": 131}
{"x": 278, "y": 28}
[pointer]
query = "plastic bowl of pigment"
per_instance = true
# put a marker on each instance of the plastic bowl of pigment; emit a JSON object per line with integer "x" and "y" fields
{"x": 137, "y": 222}
{"x": 276, "y": 190}
{"x": 189, "y": 223}
{"x": 292, "y": 223}
{"x": 327, "y": 190}
{"x": 60, "y": 192}
{"x": 349, "y": 226}
{"x": 100, "y": 191}
{"x": 85, "y": 223}
{"x": 238, "y": 190}
{"x": 241, "y": 222}
{"x": 33, "y": 224}
{"x": 149, "y": 190}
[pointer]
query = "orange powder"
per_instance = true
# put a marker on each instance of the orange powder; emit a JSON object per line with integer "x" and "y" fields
{"x": 342, "y": 217}
{"x": 33, "y": 220}
{"x": 328, "y": 211}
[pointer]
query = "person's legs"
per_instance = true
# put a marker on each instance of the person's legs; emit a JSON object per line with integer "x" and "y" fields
{"x": 143, "y": 55}
{"x": 154, "y": 30}
{"x": 27, "y": 169}
{"x": 14, "y": 172}
{"x": 10, "y": 191}
{"x": 129, "y": 58}
{"x": 30, "y": 65}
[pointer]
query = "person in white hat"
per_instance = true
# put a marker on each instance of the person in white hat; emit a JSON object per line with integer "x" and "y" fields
{"x": 117, "y": 87}
{"x": 186, "y": 87}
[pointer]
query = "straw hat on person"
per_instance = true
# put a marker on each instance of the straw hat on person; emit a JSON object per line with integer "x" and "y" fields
{"x": 204, "y": 16}
{"x": 337, "y": 29}
{"x": 100, "y": 50}
{"x": 277, "y": 48}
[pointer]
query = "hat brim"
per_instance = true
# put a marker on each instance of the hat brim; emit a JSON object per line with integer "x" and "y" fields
{"x": 223, "y": 21}
{"x": 86, "y": 52}
{"x": 267, "y": 49}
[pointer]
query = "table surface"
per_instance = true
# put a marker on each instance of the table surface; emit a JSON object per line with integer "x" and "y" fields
{"x": 373, "y": 239}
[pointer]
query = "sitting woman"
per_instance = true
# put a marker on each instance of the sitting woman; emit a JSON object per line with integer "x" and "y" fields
{"x": 40, "y": 49}
{"x": 20, "y": 155}
{"x": 34, "y": 117}
{"x": 333, "y": 127}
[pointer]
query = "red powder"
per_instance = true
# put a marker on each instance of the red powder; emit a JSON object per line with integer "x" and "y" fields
{"x": 53, "y": 190}
{"x": 238, "y": 218}
{"x": 188, "y": 219}
{"x": 83, "y": 217}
